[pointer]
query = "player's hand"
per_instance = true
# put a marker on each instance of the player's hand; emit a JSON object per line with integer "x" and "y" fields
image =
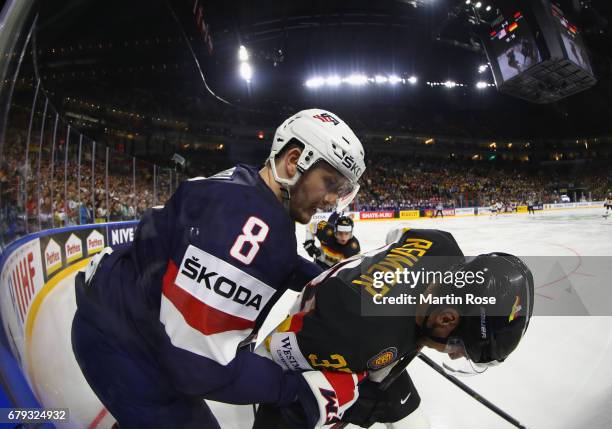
{"x": 392, "y": 405}
{"x": 312, "y": 249}
{"x": 319, "y": 398}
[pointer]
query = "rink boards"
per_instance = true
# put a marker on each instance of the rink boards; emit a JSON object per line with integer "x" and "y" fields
{"x": 36, "y": 279}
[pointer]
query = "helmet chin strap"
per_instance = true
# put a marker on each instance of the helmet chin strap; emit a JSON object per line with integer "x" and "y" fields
{"x": 285, "y": 184}
{"x": 286, "y": 197}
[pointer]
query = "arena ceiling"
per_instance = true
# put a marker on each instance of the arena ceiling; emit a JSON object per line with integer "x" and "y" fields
{"x": 136, "y": 52}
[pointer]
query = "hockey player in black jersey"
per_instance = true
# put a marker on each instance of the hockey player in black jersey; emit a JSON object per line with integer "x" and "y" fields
{"x": 346, "y": 344}
{"x": 336, "y": 238}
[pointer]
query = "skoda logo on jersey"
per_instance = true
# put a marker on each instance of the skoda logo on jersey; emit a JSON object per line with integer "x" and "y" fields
{"x": 221, "y": 285}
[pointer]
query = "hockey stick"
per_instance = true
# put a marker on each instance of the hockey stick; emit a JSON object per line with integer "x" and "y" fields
{"x": 472, "y": 393}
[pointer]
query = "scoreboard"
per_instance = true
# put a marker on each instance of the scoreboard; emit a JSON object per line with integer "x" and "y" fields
{"x": 536, "y": 53}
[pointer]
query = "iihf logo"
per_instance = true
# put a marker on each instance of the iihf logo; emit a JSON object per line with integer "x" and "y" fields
{"x": 326, "y": 117}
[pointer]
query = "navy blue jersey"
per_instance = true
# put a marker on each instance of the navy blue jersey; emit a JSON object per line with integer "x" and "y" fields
{"x": 201, "y": 274}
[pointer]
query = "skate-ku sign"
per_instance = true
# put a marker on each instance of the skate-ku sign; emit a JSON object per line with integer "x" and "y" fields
{"x": 376, "y": 215}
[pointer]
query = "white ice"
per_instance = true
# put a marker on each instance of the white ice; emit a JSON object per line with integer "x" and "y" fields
{"x": 559, "y": 377}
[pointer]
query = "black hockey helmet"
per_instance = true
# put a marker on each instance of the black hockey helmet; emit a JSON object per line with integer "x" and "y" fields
{"x": 490, "y": 332}
{"x": 343, "y": 224}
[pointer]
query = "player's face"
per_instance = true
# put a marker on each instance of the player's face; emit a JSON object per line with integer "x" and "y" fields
{"x": 343, "y": 237}
{"x": 317, "y": 189}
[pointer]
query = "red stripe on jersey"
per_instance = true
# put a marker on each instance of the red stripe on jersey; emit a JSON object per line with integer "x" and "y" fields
{"x": 343, "y": 384}
{"x": 208, "y": 320}
{"x": 297, "y": 320}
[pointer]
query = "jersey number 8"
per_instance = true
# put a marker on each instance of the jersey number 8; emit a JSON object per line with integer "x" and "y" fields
{"x": 246, "y": 254}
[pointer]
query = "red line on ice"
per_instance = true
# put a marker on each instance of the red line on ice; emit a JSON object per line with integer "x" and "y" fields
{"x": 94, "y": 424}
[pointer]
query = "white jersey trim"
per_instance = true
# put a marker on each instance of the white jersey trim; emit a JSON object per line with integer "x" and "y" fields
{"x": 219, "y": 347}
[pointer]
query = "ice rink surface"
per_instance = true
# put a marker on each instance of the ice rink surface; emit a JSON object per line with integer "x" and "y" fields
{"x": 559, "y": 377}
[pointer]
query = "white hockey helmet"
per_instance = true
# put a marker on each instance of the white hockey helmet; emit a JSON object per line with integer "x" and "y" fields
{"x": 325, "y": 137}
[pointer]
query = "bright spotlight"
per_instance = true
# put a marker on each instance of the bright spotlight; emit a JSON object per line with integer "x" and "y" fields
{"x": 468, "y": 1}
{"x": 243, "y": 54}
{"x": 450, "y": 84}
{"x": 481, "y": 85}
{"x": 482, "y": 68}
{"x": 246, "y": 72}
{"x": 356, "y": 79}
{"x": 412, "y": 80}
{"x": 380, "y": 79}
{"x": 393, "y": 79}
{"x": 315, "y": 82}
{"x": 488, "y": 8}
{"x": 478, "y": 5}
{"x": 333, "y": 80}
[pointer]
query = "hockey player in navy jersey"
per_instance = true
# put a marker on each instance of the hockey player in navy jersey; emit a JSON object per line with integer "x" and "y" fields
{"x": 159, "y": 325}
{"x": 347, "y": 345}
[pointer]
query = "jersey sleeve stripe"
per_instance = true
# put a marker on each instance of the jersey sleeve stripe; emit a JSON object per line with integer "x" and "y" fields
{"x": 297, "y": 321}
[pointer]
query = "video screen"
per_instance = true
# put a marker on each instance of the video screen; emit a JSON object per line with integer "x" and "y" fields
{"x": 572, "y": 40}
{"x": 514, "y": 45}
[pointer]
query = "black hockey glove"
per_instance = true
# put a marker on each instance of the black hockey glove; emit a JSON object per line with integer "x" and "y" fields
{"x": 312, "y": 249}
{"x": 388, "y": 406}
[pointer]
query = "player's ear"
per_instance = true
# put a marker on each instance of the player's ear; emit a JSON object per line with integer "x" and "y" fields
{"x": 447, "y": 320}
{"x": 291, "y": 160}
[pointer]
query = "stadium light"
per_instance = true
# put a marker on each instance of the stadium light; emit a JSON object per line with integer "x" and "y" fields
{"x": 413, "y": 80}
{"x": 246, "y": 72}
{"x": 393, "y": 79}
{"x": 483, "y": 68}
{"x": 488, "y": 8}
{"x": 481, "y": 85}
{"x": 450, "y": 84}
{"x": 315, "y": 82}
{"x": 243, "y": 54}
{"x": 468, "y": 1}
{"x": 478, "y": 5}
{"x": 333, "y": 80}
{"x": 380, "y": 79}
{"x": 356, "y": 79}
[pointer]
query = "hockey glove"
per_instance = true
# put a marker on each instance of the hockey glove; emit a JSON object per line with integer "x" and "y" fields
{"x": 322, "y": 398}
{"x": 312, "y": 249}
{"x": 391, "y": 405}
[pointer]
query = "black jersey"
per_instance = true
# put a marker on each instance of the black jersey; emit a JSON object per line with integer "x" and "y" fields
{"x": 333, "y": 252}
{"x": 329, "y": 330}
